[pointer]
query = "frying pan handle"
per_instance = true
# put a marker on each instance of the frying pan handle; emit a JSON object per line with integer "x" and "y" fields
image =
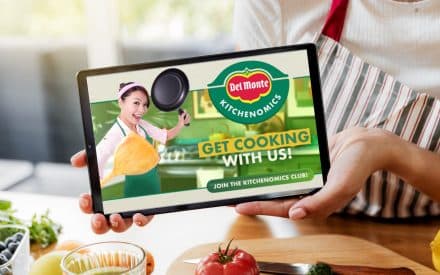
{"x": 181, "y": 112}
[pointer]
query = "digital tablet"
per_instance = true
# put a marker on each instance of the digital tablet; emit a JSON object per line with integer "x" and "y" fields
{"x": 204, "y": 131}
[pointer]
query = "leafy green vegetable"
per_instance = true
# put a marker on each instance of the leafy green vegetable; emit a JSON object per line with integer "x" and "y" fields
{"x": 42, "y": 229}
{"x": 320, "y": 269}
{"x": 7, "y": 217}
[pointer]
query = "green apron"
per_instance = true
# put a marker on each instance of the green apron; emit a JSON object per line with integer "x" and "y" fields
{"x": 144, "y": 184}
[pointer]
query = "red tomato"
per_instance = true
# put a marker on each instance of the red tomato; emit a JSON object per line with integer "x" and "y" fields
{"x": 224, "y": 262}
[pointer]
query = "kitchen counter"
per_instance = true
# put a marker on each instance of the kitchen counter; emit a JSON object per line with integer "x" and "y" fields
{"x": 52, "y": 178}
{"x": 169, "y": 235}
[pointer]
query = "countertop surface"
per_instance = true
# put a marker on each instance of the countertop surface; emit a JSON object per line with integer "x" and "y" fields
{"x": 328, "y": 248}
{"x": 169, "y": 235}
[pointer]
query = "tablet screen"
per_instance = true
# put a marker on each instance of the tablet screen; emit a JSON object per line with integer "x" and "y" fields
{"x": 204, "y": 131}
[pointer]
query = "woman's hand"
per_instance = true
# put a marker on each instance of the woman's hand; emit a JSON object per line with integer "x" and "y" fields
{"x": 355, "y": 154}
{"x": 98, "y": 222}
{"x": 184, "y": 118}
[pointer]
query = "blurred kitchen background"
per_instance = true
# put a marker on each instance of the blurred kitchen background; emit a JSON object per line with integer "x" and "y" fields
{"x": 43, "y": 43}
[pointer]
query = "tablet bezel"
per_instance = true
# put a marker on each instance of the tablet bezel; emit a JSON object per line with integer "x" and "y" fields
{"x": 90, "y": 145}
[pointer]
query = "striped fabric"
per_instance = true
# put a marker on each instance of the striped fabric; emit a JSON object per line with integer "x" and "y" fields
{"x": 356, "y": 93}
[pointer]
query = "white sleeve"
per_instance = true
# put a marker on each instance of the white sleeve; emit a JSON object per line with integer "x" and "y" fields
{"x": 155, "y": 133}
{"x": 258, "y": 24}
{"x": 105, "y": 149}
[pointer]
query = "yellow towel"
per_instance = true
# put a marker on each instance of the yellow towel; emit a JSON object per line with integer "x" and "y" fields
{"x": 133, "y": 156}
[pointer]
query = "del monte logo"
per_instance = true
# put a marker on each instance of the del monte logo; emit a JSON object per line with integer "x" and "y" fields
{"x": 248, "y": 86}
{"x": 249, "y": 92}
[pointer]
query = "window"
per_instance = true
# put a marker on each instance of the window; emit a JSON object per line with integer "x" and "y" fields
{"x": 45, "y": 42}
{"x": 171, "y": 20}
{"x": 42, "y": 18}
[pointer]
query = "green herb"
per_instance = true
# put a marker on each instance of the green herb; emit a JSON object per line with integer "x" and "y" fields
{"x": 320, "y": 269}
{"x": 7, "y": 217}
{"x": 42, "y": 229}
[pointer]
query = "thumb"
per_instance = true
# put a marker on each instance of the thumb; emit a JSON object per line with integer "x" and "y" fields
{"x": 312, "y": 206}
{"x": 320, "y": 205}
{"x": 345, "y": 179}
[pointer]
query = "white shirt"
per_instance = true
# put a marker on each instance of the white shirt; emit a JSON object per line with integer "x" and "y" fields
{"x": 402, "y": 39}
{"x": 106, "y": 147}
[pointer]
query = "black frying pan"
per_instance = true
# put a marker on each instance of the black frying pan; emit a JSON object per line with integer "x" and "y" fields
{"x": 169, "y": 90}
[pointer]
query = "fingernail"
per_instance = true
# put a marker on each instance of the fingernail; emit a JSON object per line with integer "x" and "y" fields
{"x": 239, "y": 208}
{"x": 84, "y": 203}
{"x": 75, "y": 155}
{"x": 138, "y": 223}
{"x": 97, "y": 223}
{"x": 297, "y": 213}
{"x": 114, "y": 223}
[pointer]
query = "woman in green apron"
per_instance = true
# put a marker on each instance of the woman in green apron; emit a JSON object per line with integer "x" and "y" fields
{"x": 134, "y": 101}
{"x": 144, "y": 184}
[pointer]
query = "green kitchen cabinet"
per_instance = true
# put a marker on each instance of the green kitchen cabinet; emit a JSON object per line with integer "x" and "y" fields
{"x": 171, "y": 183}
{"x": 113, "y": 192}
{"x": 310, "y": 161}
{"x": 168, "y": 184}
{"x": 303, "y": 92}
{"x": 301, "y": 123}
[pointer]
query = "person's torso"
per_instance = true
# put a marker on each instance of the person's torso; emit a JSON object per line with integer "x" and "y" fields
{"x": 124, "y": 130}
{"x": 384, "y": 195}
{"x": 400, "y": 38}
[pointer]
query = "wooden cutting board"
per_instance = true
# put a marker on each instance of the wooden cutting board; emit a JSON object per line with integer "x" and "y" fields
{"x": 335, "y": 249}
